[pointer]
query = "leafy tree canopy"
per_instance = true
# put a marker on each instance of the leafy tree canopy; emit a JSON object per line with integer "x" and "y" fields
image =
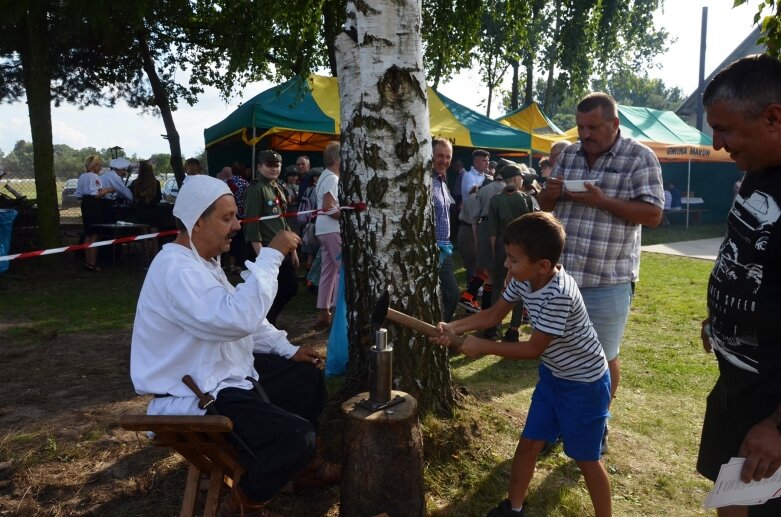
{"x": 770, "y": 24}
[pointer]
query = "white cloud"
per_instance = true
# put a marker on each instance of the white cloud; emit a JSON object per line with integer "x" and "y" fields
{"x": 63, "y": 133}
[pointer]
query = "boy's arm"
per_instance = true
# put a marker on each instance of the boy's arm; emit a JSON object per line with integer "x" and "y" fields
{"x": 531, "y": 349}
{"x": 484, "y": 319}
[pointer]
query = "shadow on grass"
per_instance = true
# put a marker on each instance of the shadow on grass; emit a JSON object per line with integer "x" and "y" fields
{"x": 549, "y": 497}
{"x": 501, "y": 376}
{"x": 138, "y": 488}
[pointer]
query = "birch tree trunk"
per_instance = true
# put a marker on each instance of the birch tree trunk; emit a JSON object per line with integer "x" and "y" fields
{"x": 386, "y": 163}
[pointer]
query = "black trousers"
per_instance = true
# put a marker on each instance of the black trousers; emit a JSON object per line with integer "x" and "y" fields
{"x": 729, "y": 415}
{"x": 280, "y": 433}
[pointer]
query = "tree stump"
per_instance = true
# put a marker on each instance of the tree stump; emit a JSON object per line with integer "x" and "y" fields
{"x": 382, "y": 462}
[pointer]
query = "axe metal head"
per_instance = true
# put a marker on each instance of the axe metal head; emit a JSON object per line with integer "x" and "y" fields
{"x": 380, "y": 311}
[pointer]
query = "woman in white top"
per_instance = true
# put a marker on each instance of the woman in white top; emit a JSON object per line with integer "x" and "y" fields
{"x": 328, "y": 233}
{"x": 89, "y": 190}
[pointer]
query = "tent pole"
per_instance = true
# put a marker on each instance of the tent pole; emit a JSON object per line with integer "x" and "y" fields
{"x": 689, "y": 192}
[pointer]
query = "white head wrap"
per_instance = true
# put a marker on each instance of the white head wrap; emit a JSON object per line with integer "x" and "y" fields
{"x": 195, "y": 196}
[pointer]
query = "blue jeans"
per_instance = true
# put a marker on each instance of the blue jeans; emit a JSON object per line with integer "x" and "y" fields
{"x": 608, "y": 309}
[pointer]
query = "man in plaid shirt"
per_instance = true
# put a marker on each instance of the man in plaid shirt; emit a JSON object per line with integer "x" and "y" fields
{"x": 623, "y": 191}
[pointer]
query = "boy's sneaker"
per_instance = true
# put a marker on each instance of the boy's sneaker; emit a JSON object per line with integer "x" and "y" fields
{"x": 504, "y": 509}
{"x": 469, "y": 305}
{"x": 511, "y": 336}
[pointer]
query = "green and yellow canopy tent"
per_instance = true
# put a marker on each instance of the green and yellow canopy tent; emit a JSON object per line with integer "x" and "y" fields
{"x": 302, "y": 115}
{"x": 670, "y": 138}
{"x": 686, "y": 154}
{"x": 529, "y": 118}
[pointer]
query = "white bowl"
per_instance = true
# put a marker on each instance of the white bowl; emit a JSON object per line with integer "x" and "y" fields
{"x": 576, "y": 185}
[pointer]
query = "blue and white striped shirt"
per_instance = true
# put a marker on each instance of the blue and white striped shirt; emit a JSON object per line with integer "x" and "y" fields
{"x": 557, "y": 309}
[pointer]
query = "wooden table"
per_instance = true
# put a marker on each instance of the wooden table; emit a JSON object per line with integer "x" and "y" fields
{"x": 116, "y": 231}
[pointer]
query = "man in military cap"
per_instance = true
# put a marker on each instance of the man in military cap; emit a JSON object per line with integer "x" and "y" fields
{"x": 265, "y": 197}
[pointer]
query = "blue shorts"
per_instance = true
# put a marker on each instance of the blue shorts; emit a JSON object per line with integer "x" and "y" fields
{"x": 576, "y": 411}
{"x": 608, "y": 310}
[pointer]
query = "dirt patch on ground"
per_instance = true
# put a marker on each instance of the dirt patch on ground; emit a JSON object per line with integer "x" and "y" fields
{"x": 61, "y": 449}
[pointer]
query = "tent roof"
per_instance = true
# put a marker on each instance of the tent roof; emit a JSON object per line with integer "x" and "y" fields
{"x": 651, "y": 125}
{"x": 296, "y": 115}
{"x": 688, "y": 108}
{"x": 666, "y": 133}
{"x": 531, "y": 119}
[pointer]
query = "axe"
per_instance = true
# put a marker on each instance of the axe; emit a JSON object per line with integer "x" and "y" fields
{"x": 382, "y": 311}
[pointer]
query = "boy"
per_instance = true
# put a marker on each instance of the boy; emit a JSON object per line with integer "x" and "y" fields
{"x": 573, "y": 393}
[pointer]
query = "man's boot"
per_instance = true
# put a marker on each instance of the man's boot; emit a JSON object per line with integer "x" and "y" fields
{"x": 239, "y": 505}
{"x": 318, "y": 473}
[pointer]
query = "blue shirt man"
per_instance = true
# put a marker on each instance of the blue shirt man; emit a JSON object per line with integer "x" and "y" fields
{"x": 441, "y": 201}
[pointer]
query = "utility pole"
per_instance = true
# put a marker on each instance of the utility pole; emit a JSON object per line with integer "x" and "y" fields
{"x": 701, "y": 82}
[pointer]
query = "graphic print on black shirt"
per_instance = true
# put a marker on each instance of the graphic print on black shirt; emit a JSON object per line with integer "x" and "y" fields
{"x": 743, "y": 292}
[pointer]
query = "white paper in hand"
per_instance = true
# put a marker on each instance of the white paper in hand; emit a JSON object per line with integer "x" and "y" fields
{"x": 730, "y": 490}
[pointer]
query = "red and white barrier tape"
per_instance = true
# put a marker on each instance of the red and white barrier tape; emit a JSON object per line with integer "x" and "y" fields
{"x": 131, "y": 238}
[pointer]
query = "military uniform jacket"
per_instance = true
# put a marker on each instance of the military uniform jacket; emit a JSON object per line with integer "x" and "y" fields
{"x": 264, "y": 198}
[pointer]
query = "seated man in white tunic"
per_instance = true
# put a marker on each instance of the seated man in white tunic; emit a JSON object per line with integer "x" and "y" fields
{"x": 191, "y": 321}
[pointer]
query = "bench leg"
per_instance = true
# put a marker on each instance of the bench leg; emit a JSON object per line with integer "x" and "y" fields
{"x": 190, "y": 491}
{"x": 213, "y": 494}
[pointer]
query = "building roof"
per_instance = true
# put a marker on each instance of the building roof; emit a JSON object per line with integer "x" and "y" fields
{"x": 688, "y": 109}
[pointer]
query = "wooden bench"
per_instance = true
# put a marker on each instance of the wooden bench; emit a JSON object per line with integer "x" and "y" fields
{"x": 202, "y": 440}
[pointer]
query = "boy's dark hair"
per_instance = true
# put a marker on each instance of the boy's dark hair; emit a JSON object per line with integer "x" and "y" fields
{"x": 481, "y": 153}
{"x": 540, "y": 235}
{"x": 545, "y": 162}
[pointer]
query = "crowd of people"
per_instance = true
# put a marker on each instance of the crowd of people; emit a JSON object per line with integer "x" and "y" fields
{"x": 575, "y": 272}
{"x": 106, "y": 198}
{"x": 567, "y": 260}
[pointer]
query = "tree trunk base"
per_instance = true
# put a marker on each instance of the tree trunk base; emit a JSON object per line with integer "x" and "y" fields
{"x": 382, "y": 463}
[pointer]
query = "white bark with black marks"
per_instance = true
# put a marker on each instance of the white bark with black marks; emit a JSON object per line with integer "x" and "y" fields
{"x": 386, "y": 163}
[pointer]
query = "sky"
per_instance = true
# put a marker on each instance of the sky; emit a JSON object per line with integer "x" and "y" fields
{"x": 141, "y": 134}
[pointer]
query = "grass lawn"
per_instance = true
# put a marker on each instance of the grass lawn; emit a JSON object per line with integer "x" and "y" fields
{"x": 654, "y": 431}
{"x": 679, "y": 232}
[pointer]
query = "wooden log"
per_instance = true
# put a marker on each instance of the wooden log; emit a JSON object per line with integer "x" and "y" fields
{"x": 382, "y": 462}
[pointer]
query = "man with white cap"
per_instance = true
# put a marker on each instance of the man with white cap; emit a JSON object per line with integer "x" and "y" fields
{"x": 114, "y": 178}
{"x": 191, "y": 321}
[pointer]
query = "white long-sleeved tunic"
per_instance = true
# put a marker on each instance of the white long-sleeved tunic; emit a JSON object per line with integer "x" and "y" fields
{"x": 191, "y": 321}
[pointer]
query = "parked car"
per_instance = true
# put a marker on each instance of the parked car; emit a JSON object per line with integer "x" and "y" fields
{"x": 170, "y": 190}
{"x": 69, "y": 194}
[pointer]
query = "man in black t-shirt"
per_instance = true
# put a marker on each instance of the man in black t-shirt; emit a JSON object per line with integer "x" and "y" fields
{"x": 743, "y": 413}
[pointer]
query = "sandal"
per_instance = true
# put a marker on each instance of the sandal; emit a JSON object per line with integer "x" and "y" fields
{"x": 238, "y": 505}
{"x": 322, "y": 474}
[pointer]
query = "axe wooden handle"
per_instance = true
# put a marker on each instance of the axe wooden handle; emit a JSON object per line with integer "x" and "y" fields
{"x": 413, "y": 323}
{"x": 421, "y": 326}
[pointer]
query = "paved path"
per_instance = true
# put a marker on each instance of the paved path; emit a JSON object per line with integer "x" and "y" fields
{"x": 702, "y": 249}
